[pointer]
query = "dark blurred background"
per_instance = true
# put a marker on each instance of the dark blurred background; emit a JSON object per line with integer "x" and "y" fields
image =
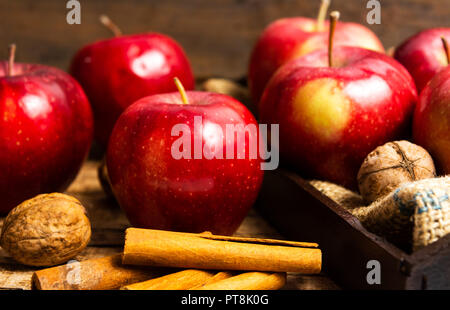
{"x": 216, "y": 34}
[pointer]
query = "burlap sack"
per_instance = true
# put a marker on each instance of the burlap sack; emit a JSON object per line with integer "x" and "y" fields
{"x": 412, "y": 216}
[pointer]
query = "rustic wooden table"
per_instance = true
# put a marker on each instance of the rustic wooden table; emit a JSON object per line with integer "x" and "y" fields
{"x": 108, "y": 225}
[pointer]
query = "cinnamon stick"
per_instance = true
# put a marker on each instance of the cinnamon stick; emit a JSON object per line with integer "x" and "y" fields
{"x": 204, "y": 251}
{"x": 249, "y": 281}
{"x": 221, "y": 275}
{"x": 181, "y": 280}
{"x": 94, "y": 274}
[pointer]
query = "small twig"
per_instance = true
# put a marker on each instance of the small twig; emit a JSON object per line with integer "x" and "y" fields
{"x": 12, "y": 55}
{"x": 446, "y": 49}
{"x": 108, "y": 23}
{"x": 322, "y": 14}
{"x": 334, "y": 17}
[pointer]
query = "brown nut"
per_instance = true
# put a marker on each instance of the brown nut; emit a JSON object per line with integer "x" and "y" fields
{"x": 46, "y": 230}
{"x": 230, "y": 88}
{"x": 390, "y": 165}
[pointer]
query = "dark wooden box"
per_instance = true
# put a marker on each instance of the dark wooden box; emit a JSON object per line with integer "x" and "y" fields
{"x": 301, "y": 212}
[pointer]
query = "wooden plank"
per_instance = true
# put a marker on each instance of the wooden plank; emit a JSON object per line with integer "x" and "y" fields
{"x": 16, "y": 276}
{"x": 108, "y": 225}
{"x": 217, "y": 34}
{"x": 431, "y": 270}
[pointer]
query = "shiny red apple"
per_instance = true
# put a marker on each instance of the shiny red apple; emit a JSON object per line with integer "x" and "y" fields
{"x": 423, "y": 55}
{"x": 46, "y": 129}
{"x": 332, "y": 117}
{"x": 116, "y": 72}
{"x": 431, "y": 125}
{"x": 158, "y": 189}
{"x": 289, "y": 38}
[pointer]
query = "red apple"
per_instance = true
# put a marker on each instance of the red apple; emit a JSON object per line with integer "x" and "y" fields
{"x": 289, "y": 38}
{"x": 160, "y": 191}
{"x": 423, "y": 55}
{"x": 331, "y": 117}
{"x": 118, "y": 71}
{"x": 431, "y": 125}
{"x": 46, "y": 129}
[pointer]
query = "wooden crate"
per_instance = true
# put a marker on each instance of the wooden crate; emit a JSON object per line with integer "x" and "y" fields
{"x": 301, "y": 212}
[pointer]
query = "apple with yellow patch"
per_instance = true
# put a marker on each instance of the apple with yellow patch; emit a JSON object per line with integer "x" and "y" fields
{"x": 334, "y": 107}
{"x": 289, "y": 38}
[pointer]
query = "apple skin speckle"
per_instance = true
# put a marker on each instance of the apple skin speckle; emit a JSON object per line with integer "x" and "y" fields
{"x": 193, "y": 195}
{"x": 289, "y": 38}
{"x": 46, "y": 130}
{"x": 431, "y": 123}
{"x": 423, "y": 55}
{"x": 118, "y": 71}
{"x": 330, "y": 118}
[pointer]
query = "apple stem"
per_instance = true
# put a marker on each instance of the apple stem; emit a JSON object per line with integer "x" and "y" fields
{"x": 181, "y": 90}
{"x": 390, "y": 51}
{"x": 322, "y": 14}
{"x": 12, "y": 55}
{"x": 447, "y": 50}
{"x": 107, "y": 22}
{"x": 334, "y": 17}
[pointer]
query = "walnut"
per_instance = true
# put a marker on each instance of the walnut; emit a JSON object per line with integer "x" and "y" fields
{"x": 46, "y": 230}
{"x": 227, "y": 87}
{"x": 390, "y": 165}
{"x": 230, "y": 88}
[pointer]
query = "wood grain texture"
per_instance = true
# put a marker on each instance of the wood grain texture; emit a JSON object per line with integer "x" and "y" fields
{"x": 217, "y": 34}
{"x": 108, "y": 225}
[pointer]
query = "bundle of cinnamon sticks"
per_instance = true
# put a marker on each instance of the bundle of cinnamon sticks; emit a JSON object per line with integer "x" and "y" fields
{"x": 163, "y": 260}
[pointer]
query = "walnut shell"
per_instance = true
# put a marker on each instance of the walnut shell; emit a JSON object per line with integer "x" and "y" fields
{"x": 390, "y": 165}
{"x": 230, "y": 88}
{"x": 46, "y": 230}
